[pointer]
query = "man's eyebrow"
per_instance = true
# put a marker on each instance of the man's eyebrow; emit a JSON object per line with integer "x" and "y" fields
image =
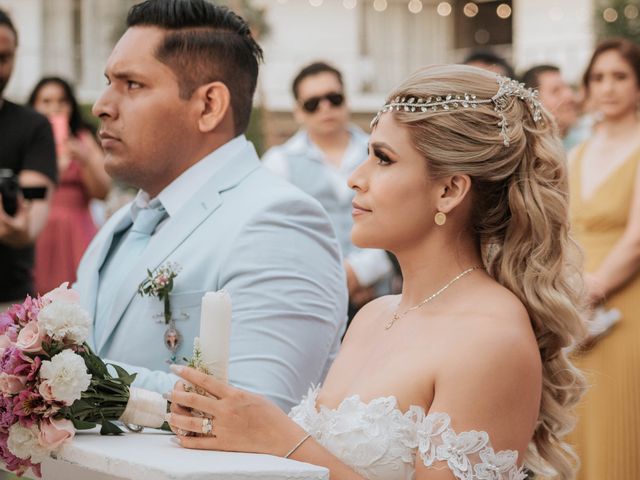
{"x": 121, "y": 74}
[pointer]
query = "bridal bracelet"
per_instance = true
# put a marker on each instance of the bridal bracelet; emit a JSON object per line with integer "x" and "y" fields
{"x": 304, "y": 439}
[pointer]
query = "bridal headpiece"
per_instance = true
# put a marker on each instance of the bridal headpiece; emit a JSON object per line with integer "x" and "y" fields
{"x": 508, "y": 88}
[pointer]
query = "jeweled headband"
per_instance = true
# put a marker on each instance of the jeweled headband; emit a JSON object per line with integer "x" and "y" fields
{"x": 508, "y": 88}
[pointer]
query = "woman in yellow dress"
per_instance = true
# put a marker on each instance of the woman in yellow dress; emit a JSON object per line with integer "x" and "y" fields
{"x": 605, "y": 209}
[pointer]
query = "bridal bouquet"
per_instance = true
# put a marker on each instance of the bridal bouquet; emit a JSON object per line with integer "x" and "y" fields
{"x": 52, "y": 384}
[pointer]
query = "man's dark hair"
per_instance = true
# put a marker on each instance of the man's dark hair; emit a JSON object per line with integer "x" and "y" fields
{"x": 314, "y": 69}
{"x": 6, "y": 21}
{"x": 531, "y": 78}
{"x": 205, "y": 43}
{"x": 490, "y": 58}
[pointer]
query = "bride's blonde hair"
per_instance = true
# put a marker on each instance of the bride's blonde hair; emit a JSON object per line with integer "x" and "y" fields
{"x": 520, "y": 214}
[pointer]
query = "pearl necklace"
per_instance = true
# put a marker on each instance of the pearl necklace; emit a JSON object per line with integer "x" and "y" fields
{"x": 398, "y": 316}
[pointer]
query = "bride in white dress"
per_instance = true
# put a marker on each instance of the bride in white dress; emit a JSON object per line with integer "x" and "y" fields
{"x": 463, "y": 375}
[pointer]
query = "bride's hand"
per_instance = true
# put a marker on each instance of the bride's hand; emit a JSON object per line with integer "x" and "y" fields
{"x": 241, "y": 421}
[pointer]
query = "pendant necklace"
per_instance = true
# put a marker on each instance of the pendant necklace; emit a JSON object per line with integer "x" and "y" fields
{"x": 398, "y": 316}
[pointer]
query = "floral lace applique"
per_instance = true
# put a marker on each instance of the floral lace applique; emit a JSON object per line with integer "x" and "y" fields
{"x": 379, "y": 441}
{"x": 468, "y": 454}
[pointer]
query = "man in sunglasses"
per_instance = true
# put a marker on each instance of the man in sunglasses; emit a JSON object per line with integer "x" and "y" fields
{"x": 319, "y": 158}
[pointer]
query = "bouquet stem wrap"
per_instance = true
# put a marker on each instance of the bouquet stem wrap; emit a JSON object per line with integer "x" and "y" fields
{"x": 145, "y": 408}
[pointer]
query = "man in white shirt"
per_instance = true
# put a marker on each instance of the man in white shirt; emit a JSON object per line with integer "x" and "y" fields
{"x": 320, "y": 158}
{"x": 178, "y": 99}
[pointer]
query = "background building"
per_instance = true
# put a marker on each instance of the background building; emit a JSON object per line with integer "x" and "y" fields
{"x": 374, "y": 42}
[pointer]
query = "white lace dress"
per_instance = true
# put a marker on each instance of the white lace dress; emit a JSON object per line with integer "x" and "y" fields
{"x": 380, "y": 442}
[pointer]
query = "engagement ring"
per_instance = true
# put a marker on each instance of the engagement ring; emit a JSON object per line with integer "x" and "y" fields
{"x": 207, "y": 426}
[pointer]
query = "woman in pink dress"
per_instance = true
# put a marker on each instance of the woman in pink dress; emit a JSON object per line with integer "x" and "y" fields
{"x": 82, "y": 177}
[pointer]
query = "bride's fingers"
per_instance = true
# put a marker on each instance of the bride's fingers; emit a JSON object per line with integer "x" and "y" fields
{"x": 194, "y": 400}
{"x": 200, "y": 443}
{"x": 209, "y": 383}
{"x": 180, "y": 410}
{"x": 188, "y": 423}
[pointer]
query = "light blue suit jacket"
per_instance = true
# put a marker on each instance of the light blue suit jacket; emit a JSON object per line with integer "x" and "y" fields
{"x": 270, "y": 246}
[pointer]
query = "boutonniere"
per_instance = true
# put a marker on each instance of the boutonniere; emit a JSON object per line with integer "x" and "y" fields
{"x": 159, "y": 284}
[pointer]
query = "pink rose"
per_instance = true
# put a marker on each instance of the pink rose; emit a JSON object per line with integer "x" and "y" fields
{"x": 11, "y": 384}
{"x": 55, "y": 432}
{"x": 5, "y": 342}
{"x": 63, "y": 294}
{"x": 30, "y": 338}
{"x": 46, "y": 391}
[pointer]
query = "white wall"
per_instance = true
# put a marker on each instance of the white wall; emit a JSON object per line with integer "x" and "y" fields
{"x": 27, "y": 17}
{"x": 553, "y": 31}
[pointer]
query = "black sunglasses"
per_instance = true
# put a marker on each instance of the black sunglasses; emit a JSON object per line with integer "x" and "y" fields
{"x": 311, "y": 105}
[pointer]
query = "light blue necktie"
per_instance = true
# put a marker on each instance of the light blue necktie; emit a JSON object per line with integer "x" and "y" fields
{"x": 121, "y": 258}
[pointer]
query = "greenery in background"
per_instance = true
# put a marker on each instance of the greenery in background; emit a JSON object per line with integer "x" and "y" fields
{"x": 626, "y": 23}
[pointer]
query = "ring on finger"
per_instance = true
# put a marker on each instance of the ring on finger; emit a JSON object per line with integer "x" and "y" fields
{"x": 207, "y": 426}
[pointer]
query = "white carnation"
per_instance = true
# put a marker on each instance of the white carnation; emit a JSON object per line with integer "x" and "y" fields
{"x": 65, "y": 321}
{"x": 66, "y": 375}
{"x": 23, "y": 443}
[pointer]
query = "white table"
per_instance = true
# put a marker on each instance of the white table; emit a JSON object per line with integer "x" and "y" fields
{"x": 152, "y": 456}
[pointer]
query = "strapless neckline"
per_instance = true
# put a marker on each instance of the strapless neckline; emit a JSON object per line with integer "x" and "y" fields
{"x": 379, "y": 441}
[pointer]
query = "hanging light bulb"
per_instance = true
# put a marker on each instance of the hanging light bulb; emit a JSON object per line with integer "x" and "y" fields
{"x": 349, "y": 4}
{"x": 444, "y": 9}
{"x": 470, "y": 10}
{"x": 610, "y": 15}
{"x": 315, "y": 3}
{"x": 379, "y": 5}
{"x": 503, "y": 11}
{"x": 415, "y": 6}
{"x": 631, "y": 12}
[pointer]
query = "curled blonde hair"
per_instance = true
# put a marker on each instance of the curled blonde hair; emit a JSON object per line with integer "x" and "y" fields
{"x": 520, "y": 215}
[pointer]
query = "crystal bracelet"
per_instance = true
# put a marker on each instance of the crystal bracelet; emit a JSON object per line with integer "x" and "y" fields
{"x": 304, "y": 439}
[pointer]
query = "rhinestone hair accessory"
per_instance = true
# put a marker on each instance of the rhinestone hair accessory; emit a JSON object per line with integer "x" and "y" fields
{"x": 507, "y": 88}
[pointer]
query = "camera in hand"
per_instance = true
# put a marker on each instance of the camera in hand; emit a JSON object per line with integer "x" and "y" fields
{"x": 10, "y": 190}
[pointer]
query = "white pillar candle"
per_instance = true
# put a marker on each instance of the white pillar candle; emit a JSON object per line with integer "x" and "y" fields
{"x": 215, "y": 328}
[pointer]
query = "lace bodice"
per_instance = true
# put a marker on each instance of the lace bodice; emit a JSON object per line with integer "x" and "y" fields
{"x": 378, "y": 441}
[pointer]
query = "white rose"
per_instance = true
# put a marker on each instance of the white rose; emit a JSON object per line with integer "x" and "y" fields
{"x": 65, "y": 321}
{"x": 65, "y": 376}
{"x": 23, "y": 443}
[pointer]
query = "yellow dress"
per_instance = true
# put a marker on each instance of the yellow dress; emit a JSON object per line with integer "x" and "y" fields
{"x": 607, "y": 437}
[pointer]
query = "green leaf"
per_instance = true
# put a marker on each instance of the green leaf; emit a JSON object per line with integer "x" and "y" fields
{"x": 109, "y": 428}
{"x": 82, "y": 425}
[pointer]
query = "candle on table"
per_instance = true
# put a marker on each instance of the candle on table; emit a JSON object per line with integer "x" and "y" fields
{"x": 215, "y": 328}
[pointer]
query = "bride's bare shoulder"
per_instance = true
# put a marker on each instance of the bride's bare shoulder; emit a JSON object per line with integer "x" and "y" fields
{"x": 369, "y": 315}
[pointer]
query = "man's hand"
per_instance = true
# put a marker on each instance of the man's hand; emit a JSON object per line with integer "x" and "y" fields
{"x": 14, "y": 231}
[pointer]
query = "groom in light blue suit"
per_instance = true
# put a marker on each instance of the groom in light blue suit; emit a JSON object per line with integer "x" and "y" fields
{"x": 178, "y": 99}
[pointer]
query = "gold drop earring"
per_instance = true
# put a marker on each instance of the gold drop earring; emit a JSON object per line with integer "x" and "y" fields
{"x": 440, "y": 218}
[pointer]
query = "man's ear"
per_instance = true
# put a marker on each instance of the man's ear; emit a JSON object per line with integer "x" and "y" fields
{"x": 452, "y": 192}
{"x": 213, "y": 101}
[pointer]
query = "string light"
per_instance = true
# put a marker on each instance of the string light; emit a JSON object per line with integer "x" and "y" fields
{"x": 610, "y": 15}
{"x": 631, "y": 12}
{"x": 350, "y": 4}
{"x": 444, "y": 9}
{"x": 380, "y": 5}
{"x": 503, "y": 11}
{"x": 470, "y": 10}
{"x": 415, "y": 6}
{"x": 315, "y": 3}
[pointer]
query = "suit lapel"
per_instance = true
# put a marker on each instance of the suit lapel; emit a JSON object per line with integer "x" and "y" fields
{"x": 178, "y": 229}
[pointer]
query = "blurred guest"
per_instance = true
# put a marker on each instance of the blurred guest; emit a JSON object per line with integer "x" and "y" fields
{"x": 488, "y": 60}
{"x": 26, "y": 150}
{"x": 557, "y": 97}
{"x": 605, "y": 204}
{"x": 320, "y": 158}
{"x": 82, "y": 177}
